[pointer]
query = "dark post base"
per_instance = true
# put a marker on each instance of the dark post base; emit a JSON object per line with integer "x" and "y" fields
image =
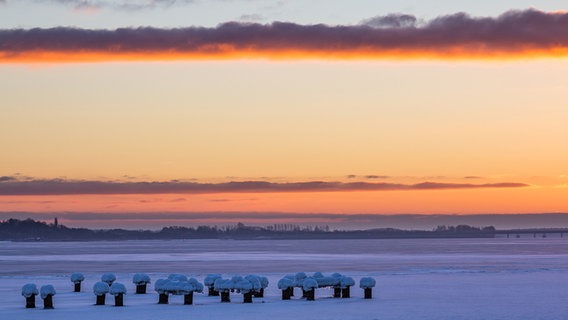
{"x": 292, "y": 292}
{"x": 345, "y": 293}
{"x": 247, "y": 297}
{"x": 259, "y": 293}
{"x": 337, "y": 292}
{"x": 304, "y": 293}
{"x": 213, "y": 292}
{"x": 141, "y": 289}
{"x": 286, "y": 294}
{"x": 188, "y": 298}
{"x": 30, "y": 301}
{"x": 119, "y": 300}
{"x": 163, "y": 298}
{"x": 311, "y": 295}
{"x": 48, "y": 302}
{"x": 225, "y": 296}
{"x": 78, "y": 287}
{"x": 101, "y": 300}
{"x": 368, "y": 293}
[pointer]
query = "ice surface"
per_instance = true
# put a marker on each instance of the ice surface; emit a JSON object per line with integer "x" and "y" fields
{"x": 468, "y": 279}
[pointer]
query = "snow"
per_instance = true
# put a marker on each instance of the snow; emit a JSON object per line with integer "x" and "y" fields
{"x": 210, "y": 279}
{"x": 328, "y": 281}
{"x": 47, "y": 290}
{"x": 29, "y": 290}
{"x": 285, "y": 283}
{"x": 140, "y": 278}
{"x": 117, "y": 288}
{"x": 77, "y": 277}
{"x": 100, "y": 288}
{"x": 346, "y": 282}
{"x": 467, "y": 279}
{"x": 108, "y": 278}
{"x": 309, "y": 283}
{"x": 367, "y": 282}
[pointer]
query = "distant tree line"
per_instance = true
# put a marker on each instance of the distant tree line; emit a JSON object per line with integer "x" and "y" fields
{"x": 31, "y": 230}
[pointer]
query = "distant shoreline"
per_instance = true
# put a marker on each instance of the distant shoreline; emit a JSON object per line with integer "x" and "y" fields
{"x": 30, "y": 230}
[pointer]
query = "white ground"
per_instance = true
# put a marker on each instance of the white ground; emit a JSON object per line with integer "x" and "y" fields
{"x": 502, "y": 279}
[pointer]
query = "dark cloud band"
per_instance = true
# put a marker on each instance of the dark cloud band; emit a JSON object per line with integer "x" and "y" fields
{"x": 511, "y": 35}
{"x": 72, "y": 187}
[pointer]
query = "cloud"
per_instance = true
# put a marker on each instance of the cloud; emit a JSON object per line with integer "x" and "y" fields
{"x": 78, "y": 187}
{"x": 251, "y": 17}
{"x": 127, "y": 5}
{"x": 391, "y": 21}
{"x": 372, "y": 176}
{"x": 514, "y": 34}
{"x": 6, "y": 178}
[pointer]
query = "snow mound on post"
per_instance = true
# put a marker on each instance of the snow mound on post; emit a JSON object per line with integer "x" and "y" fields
{"x": 160, "y": 286}
{"x": 117, "y": 288}
{"x": 29, "y": 290}
{"x": 210, "y": 279}
{"x": 285, "y": 283}
{"x": 318, "y": 275}
{"x": 254, "y": 281}
{"x": 47, "y": 290}
{"x": 243, "y": 286}
{"x": 367, "y": 282}
{"x": 108, "y": 277}
{"x": 263, "y": 282}
{"x": 347, "y": 282}
{"x": 309, "y": 284}
{"x": 197, "y": 286}
{"x": 140, "y": 278}
{"x": 328, "y": 281}
{"x": 77, "y": 277}
{"x": 100, "y": 288}
{"x": 223, "y": 284}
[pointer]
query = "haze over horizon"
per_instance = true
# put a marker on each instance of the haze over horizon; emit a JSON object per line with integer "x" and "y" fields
{"x": 142, "y": 113}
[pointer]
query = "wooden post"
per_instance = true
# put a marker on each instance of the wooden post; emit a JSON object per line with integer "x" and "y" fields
{"x": 30, "y": 301}
{"x": 119, "y": 300}
{"x": 141, "y": 288}
{"x": 163, "y": 298}
{"x": 247, "y": 297}
{"x": 286, "y": 294}
{"x": 368, "y": 293}
{"x": 188, "y": 298}
{"x": 101, "y": 300}
{"x": 48, "y": 302}
{"x": 345, "y": 293}
{"x": 213, "y": 292}
{"x": 336, "y": 292}
{"x": 311, "y": 294}
{"x": 225, "y": 296}
{"x": 259, "y": 293}
{"x": 78, "y": 287}
{"x": 304, "y": 293}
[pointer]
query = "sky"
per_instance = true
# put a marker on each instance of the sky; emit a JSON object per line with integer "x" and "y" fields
{"x": 142, "y": 114}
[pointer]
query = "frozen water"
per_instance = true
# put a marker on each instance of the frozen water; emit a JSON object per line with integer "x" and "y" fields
{"x": 518, "y": 279}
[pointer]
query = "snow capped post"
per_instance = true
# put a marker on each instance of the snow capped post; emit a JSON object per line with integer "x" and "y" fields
{"x": 209, "y": 282}
{"x": 47, "y": 292}
{"x": 141, "y": 280}
{"x": 118, "y": 290}
{"x": 245, "y": 287}
{"x": 287, "y": 287}
{"x": 189, "y": 288}
{"x": 263, "y": 285}
{"x": 77, "y": 278}
{"x": 309, "y": 286}
{"x": 367, "y": 284}
{"x": 337, "y": 286}
{"x": 29, "y": 291}
{"x": 346, "y": 283}
{"x": 160, "y": 288}
{"x": 224, "y": 287}
{"x": 100, "y": 289}
{"x": 299, "y": 279}
{"x": 108, "y": 278}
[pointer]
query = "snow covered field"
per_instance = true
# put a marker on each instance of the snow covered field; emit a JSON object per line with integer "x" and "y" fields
{"x": 416, "y": 279}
